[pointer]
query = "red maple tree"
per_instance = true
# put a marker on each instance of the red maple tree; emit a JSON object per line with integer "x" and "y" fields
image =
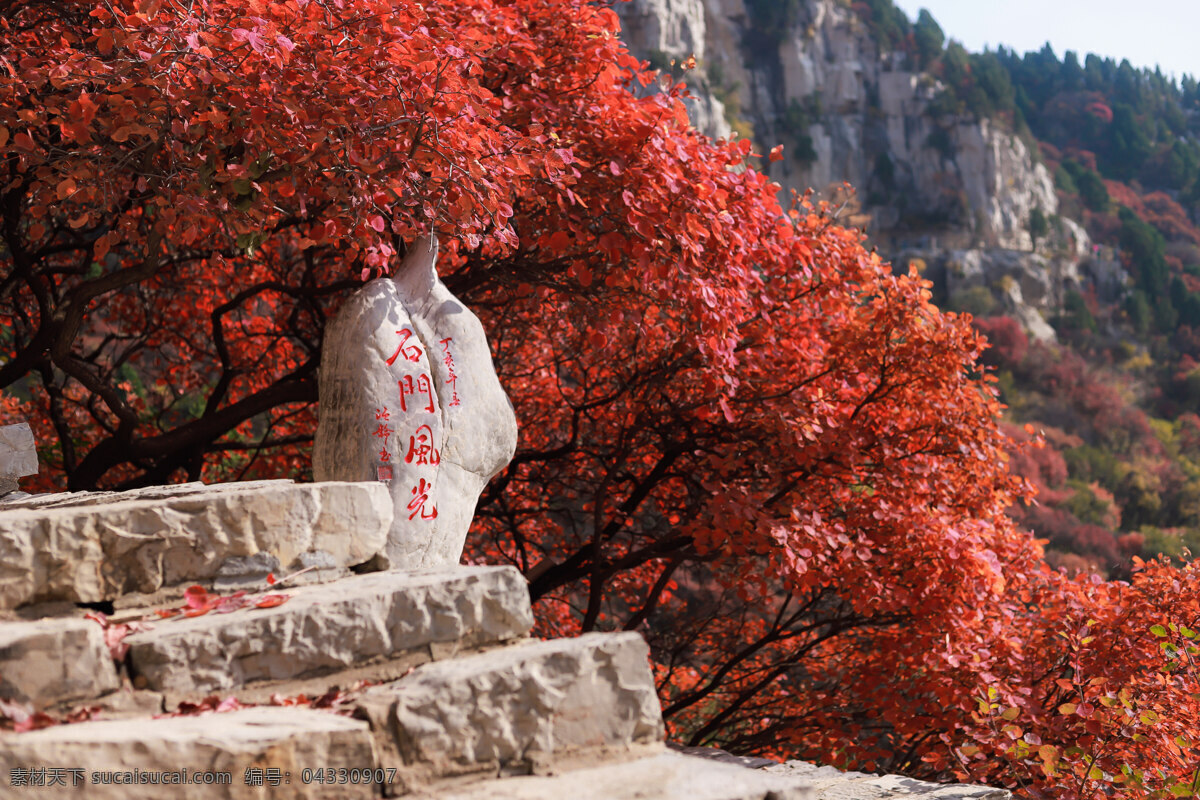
{"x": 742, "y": 434}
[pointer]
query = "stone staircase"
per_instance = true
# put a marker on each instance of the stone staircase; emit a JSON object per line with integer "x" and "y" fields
{"x": 344, "y": 681}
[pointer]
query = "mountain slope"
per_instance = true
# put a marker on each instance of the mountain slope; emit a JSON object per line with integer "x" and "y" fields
{"x": 1055, "y": 200}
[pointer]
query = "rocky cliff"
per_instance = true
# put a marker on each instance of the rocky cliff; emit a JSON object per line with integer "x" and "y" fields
{"x": 945, "y": 188}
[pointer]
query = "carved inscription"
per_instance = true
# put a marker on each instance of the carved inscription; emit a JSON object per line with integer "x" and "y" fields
{"x": 422, "y": 447}
{"x": 452, "y": 380}
{"x": 383, "y": 469}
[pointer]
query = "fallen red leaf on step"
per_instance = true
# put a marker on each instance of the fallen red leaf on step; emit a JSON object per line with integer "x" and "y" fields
{"x": 278, "y": 699}
{"x": 198, "y": 601}
{"x": 223, "y": 605}
{"x": 212, "y": 703}
{"x": 20, "y": 717}
{"x": 82, "y": 714}
{"x": 114, "y": 634}
{"x": 32, "y": 723}
{"x": 329, "y": 699}
{"x": 196, "y": 597}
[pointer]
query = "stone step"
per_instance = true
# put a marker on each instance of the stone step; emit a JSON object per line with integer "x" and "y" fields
{"x": 511, "y": 710}
{"x": 406, "y": 618}
{"x": 98, "y": 549}
{"x": 678, "y": 776}
{"x": 69, "y": 499}
{"x": 830, "y": 783}
{"x": 665, "y": 776}
{"x": 46, "y": 662}
{"x": 260, "y": 752}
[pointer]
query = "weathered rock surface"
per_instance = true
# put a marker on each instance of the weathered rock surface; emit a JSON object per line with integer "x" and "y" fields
{"x": 408, "y": 395}
{"x": 505, "y": 710}
{"x": 860, "y": 107}
{"x": 54, "y": 661}
{"x": 833, "y": 784}
{"x": 90, "y": 553}
{"x": 321, "y": 629}
{"x": 829, "y": 783}
{"x": 847, "y": 110}
{"x": 724, "y": 756}
{"x": 667, "y": 776}
{"x": 68, "y": 499}
{"x": 18, "y": 455}
{"x": 675, "y": 29}
{"x": 1031, "y": 287}
{"x": 289, "y": 740}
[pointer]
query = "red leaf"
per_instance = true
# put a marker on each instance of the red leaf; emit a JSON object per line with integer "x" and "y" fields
{"x": 328, "y": 699}
{"x": 233, "y": 602}
{"x": 196, "y": 597}
{"x": 17, "y": 713}
{"x": 229, "y": 704}
{"x": 35, "y": 722}
{"x": 271, "y": 600}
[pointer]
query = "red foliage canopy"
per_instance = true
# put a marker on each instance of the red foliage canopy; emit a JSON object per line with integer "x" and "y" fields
{"x": 741, "y": 433}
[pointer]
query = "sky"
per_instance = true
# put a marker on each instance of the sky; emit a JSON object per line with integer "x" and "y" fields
{"x": 1147, "y": 32}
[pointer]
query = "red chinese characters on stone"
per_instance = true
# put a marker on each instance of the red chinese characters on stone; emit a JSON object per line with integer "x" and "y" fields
{"x": 411, "y": 353}
{"x": 383, "y": 470}
{"x": 421, "y": 449}
{"x": 448, "y": 360}
{"x": 420, "y": 497}
{"x": 422, "y": 384}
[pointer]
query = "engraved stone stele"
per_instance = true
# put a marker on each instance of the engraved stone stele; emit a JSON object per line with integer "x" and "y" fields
{"x": 408, "y": 395}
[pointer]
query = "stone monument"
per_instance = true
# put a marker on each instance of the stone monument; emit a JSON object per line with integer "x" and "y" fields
{"x": 409, "y": 396}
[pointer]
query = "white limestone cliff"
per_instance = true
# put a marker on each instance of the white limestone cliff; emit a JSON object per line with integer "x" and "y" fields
{"x": 929, "y": 183}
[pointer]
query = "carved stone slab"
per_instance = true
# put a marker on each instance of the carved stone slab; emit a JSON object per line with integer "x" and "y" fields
{"x": 409, "y": 396}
